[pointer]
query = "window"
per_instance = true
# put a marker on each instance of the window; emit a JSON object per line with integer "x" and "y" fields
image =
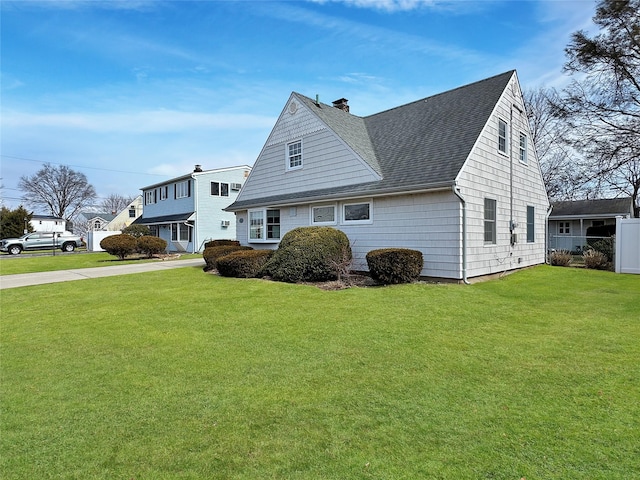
{"x": 357, "y": 212}
{"x": 219, "y": 189}
{"x": 502, "y": 136}
{"x": 150, "y": 197}
{"x": 180, "y": 232}
{"x": 164, "y": 192}
{"x": 564, "y": 228}
{"x": 294, "y": 155}
{"x": 325, "y": 214}
{"x": 154, "y": 230}
{"x": 132, "y": 212}
{"x": 264, "y": 225}
{"x": 531, "y": 220}
{"x": 523, "y": 148}
{"x": 182, "y": 189}
{"x": 489, "y": 221}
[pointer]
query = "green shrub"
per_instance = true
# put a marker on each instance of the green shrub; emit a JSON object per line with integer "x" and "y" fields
{"x": 596, "y": 260}
{"x": 212, "y": 254}
{"x": 137, "y": 230}
{"x": 605, "y": 246}
{"x": 395, "y": 265}
{"x": 308, "y": 254}
{"x": 119, "y": 245}
{"x": 221, "y": 243}
{"x": 560, "y": 258}
{"x": 243, "y": 263}
{"x": 151, "y": 245}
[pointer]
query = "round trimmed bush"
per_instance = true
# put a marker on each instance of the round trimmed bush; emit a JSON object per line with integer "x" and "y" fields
{"x": 150, "y": 245}
{"x": 212, "y": 254}
{"x": 119, "y": 245}
{"x": 220, "y": 243}
{"x": 243, "y": 263}
{"x": 309, "y": 254}
{"x": 395, "y": 265}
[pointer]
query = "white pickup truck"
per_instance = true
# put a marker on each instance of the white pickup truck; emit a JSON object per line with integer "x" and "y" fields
{"x": 65, "y": 241}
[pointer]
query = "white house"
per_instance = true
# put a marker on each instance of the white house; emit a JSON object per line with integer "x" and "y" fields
{"x": 569, "y": 220}
{"x": 47, "y": 223}
{"x": 454, "y": 175}
{"x": 187, "y": 211}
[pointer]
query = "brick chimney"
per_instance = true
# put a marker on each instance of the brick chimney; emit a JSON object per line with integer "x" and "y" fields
{"x": 342, "y": 104}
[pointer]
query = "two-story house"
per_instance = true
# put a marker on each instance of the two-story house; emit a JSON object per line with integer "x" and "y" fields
{"x": 188, "y": 211}
{"x": 454, "y": 175}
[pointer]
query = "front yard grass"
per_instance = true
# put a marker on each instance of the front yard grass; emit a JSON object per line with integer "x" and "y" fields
{"x": 30, "y": 263}
{"x": 180, "y": 374}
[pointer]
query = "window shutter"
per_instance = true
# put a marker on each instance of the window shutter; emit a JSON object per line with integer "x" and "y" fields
{"x": 188, "y": 188}
{"x": 175, "y": 192}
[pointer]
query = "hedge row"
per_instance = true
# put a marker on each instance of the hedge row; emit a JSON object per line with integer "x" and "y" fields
{"x": 124, "y": 244}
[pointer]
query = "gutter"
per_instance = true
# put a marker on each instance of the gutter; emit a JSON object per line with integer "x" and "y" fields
{"x": 456, "y": 191}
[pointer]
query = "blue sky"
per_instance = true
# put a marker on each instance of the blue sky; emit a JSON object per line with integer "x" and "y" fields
{"x": 133, "y": 92}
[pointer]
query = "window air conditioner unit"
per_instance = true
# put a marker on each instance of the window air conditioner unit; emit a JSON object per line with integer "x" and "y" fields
{"x": 225, "y": 223}
{"x": 236, "y": 186}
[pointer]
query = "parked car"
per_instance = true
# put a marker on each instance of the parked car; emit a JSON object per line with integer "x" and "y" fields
{"x": 66, "y": 241}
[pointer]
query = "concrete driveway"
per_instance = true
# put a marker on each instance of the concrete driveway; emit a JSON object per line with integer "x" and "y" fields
{"x": 27, "y": 279}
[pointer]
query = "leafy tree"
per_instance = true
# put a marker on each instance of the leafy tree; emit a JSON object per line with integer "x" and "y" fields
{"x": 60, "y": 191}
{"x": 13, "y": 222}
{"x": 602, "y": 103}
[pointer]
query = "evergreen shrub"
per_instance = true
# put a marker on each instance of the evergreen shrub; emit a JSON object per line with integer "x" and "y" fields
{"x": 308, "y": 254}
{"x": 119, "y": 245}
{"x": 212, "y": 254}
{"x": 137, "y": 230}
{"x": 150, "y": 245}
{"x": 220, "y": 243}
{"x": 395, "y": 265}
{"x": 243, "y": 263}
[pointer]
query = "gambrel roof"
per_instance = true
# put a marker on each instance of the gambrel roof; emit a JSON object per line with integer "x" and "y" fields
{"x": 418, "y": 146}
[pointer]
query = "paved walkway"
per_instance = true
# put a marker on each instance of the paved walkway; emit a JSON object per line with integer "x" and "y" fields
{"x": 26, "y": 279}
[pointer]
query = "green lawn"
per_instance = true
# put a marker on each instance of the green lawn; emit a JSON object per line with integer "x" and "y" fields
{"x": 181, "y": 374}
{"x": 30, "y": 263}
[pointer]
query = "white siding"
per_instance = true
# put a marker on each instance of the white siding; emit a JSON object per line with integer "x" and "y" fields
{"x": 487, "y": 174}
{"x": 427, "y": 222}
{"x": 327, "y": 160}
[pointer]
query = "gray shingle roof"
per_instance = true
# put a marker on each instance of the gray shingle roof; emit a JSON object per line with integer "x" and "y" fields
{"x": 605, "y": 207}
{"x": 420, "y": 145}
{"x": 176, "y": 217}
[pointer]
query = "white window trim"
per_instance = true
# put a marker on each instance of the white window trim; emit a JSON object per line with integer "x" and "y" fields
{"x": 357, "y": 222}
{"x": 184, "y": 186}
{"x": 288, "y": 166}
{"x": 149, "y": 197}
{"x": 506, "y": 137}
{"x": 494, "y": 240}
{"x": 325, "y": 205}
{"x": 264, "y": 238}
{"x": 526, "y": 148}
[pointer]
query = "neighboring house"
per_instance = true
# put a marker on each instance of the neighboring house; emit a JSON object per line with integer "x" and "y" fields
{"x": 187, "y": 211}
{"x": 114, "y": 221}
{"x": 47, "y": 223}
{"x": 454, "y": 175}
{"x": 569, "y": 220}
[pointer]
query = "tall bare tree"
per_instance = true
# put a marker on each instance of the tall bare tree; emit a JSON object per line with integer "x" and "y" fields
{"x": 116, "y": 203}
{"x": 602, "y": 103}
{"x": 563, "y": 170}
{"x": 60, "y": 191}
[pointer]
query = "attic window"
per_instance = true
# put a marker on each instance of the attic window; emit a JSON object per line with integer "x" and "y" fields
{"x": 502, "y": 136}
{"x": 294, "y": 155}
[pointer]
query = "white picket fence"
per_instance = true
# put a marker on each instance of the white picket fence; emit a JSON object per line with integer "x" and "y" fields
{"x": 627, "y": 256}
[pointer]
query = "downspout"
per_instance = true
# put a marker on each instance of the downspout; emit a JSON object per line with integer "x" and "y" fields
{"x": 195, "y": 220}
{"x": 546, "y": 234}
{"x": 457, "y": 193}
